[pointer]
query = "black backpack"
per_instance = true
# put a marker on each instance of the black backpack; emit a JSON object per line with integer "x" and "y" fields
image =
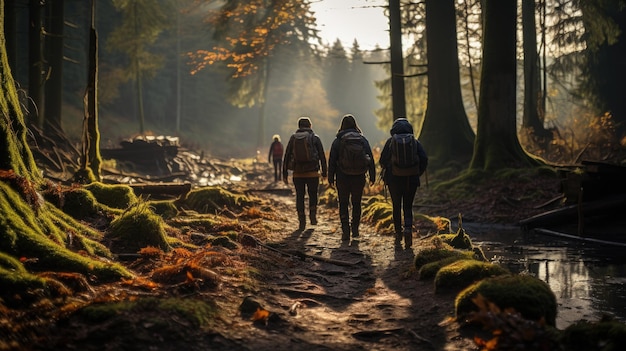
{"x": 353, "y": 157}
{"x": 404, "y": 158}
{"x": 304, "y": 152}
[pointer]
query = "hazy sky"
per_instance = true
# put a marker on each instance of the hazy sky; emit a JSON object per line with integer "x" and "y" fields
{"x": 364, "y": 20}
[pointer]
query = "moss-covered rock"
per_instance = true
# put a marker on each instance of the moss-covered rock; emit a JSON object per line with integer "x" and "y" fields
{"x": 605, "y": 335}
{"x": 458, "y": 275}
{"x": 429, "y": 270}
{"x": 529, "y": 296}
{"x": 214, "y": 198}
{"x": 113, "y": 195}
{"x": 459, "y": 240}
{"x": 136, "y": 228}
{"x": 434, "y": 254}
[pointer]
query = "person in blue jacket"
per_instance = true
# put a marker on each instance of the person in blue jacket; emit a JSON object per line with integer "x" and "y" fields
{"x": 350, "y": 181}
{"x": 402, "y": 188}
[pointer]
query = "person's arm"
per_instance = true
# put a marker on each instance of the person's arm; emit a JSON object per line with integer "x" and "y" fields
{"x": 269, "y": 156}
{"x": 322, "y": 156}
{"x": 286, "y": 157}
{"x": 422, "y": 157}
{"x": 372, "y": 165}
{"x": 333, "y": 157}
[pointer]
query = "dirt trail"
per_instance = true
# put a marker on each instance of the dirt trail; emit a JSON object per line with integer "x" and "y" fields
{"x": 357, "y": 295}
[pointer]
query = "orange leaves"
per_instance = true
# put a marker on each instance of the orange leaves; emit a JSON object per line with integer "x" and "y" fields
{"x": 261, "y": 315}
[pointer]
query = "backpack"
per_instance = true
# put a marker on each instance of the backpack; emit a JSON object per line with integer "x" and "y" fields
{"x": 304, "y": 151}
{"x": 277, "y": 150}
{"x": 353, "y": 157}
{"x": 404, "y": 158}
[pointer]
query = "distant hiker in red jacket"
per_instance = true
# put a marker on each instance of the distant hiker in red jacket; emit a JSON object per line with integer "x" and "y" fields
{"x": 276, "y": 156}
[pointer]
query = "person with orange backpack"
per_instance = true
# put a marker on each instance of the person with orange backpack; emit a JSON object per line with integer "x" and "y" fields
{"x": 276, "y": 156}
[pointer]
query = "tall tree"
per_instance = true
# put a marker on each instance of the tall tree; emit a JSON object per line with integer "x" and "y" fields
{"x": 35, "y": 63}
{"x": 497, "y": 144}
{"x": 143, "y": 21}
{"x": 397, "y": 63}
{"x": 534, "y": 115}
{"x": 446, "y": 132}
{"x": 53, "y": 98}
{"x": 248, "y": 33}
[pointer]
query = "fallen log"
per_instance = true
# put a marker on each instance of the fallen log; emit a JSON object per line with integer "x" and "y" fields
{"x": 567, "y": 214}
{"x": 159, "y": 189}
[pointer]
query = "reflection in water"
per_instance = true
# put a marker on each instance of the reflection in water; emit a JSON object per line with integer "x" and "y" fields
{"x": 588, "y": 280}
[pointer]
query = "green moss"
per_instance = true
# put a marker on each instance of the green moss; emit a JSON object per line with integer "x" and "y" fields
{"x": 84, "y": 176}
{"x": 113, "y": 195}
{"x": 136, "y": 228}
{"x": 196, "y": 312}
{"x": 213, "y": 198}
{"x": 460, "y": 240}
{"x": 434, "y": 254}
{"x": 164, "y": 208}
{"x": 38, "y": 236}
{"x": 460, "y": 274}
{"x": 79, "y": 203}
{"x": 329, "y": 198}
{"x": 529, "y": 296}
{"x": 429, "y": 270}
{"x": 605, "y": 335}
{"x": 10, "y": 263}
{"x": 202, "y": 224}
{"x": 19, "y": 286}
{"x": 377, "y": 210}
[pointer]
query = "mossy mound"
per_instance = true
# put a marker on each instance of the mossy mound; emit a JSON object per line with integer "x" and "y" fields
{"x": 46, "y": 239}
{"x": 213, "y": 198}
{"x": 529, "y": 296}
{"x": 458, "y": 275}
{"x": 113, "y": 195}
{"x": 134, "y": 324}
{"x": 329, "y": 198}
{"x": 434, "y": 254}
{"x": 164, "y": 208}
{"x": 136, "y": 228}
{"x": 429, "y": 270}
{"x": 459, "y": 240}
{"x": 378, "y": 211}
{"x": 605, "y": 335}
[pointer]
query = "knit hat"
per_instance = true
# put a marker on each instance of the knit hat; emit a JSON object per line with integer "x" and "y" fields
{"x": 304, "y": 122}
{"x": 348, "y": 122}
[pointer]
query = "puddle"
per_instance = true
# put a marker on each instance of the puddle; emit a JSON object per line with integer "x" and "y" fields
{"x": 587, "y": 279}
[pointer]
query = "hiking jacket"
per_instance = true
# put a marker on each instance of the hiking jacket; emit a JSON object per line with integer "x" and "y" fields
{"x": 274, "y": 154}
{"x": 400, "y": 126}
{"x": 333, "y": 158}
{"x": 298, "y": 168}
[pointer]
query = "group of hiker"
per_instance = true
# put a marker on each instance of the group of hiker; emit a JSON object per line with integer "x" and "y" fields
{"x": 350, "y": 165}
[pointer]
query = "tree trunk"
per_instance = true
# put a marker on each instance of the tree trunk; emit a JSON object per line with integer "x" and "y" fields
{"x": 91, "y": 155}
{"x": 397, "y": 63}
{"x": 35, "y": 64}
{"x": 446, "y": 133}
{"x": 497, "y": 145}
{"x": 54, "y": 53}
{"x": 10, "y": 32}
{"x": 533, "y": 117}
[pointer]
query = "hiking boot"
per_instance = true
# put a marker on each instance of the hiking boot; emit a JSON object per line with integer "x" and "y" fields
{"x": 398, "y": 240}
{"x": 302, "y": 221}
{"x": 408, "y": 239}
{"x": 345, "y": 232}
{"x": 313, "y": 215}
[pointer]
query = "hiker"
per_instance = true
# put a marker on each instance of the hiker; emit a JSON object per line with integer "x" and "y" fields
{"x": 276, "y": 156}
{"x": 349, "y": 160}
{"x": 305, "y": 156}
{"x": 403, "y": 160}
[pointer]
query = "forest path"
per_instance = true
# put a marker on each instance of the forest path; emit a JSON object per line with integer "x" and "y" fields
{"x": 361, "y": 294}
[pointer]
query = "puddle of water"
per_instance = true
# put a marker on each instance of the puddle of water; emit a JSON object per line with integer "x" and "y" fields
{"x": 589, "y": 280}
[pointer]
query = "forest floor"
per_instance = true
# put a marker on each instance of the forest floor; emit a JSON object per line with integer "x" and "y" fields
{"x": 321, "y": 293}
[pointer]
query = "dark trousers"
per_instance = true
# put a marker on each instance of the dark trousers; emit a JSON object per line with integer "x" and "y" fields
{"x": 402, "y": 191}
{"x": 278, "y": 168}
{"x": 310, "y": 185}
{"x": 350, "y": 191}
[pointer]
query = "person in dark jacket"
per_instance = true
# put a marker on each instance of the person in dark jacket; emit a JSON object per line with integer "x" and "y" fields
{"x": 402, "y": 188}
{"x": 276, "y": 156}
{"x": 305, "y": 174}
{"x": 349, "y": 185}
